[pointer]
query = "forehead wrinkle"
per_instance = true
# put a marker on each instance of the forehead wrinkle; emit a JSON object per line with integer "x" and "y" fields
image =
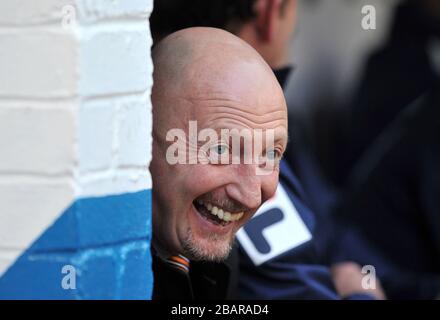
{"x": 242, "y": 121}
{"x": 238, "y": 111}
{"x": 216, "y": 96}
{"x": 249, "y": 118}
{"x": 225, "y": 101}
{"x": 210, "y": 94}
{"x": 248, "y": 111}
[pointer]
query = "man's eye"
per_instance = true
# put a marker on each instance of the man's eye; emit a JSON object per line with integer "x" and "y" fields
{"x": 220, "y": 149}
{"x": 273, "y": 154}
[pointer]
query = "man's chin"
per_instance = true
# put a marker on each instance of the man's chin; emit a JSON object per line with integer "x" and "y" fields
{"x": 202, "y": 249}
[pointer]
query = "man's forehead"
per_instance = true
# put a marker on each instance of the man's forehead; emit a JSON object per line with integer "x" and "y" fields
{"x": 226, "y": 111}
{"x": 236, "y": 96}
{"x": 219, "y": 76}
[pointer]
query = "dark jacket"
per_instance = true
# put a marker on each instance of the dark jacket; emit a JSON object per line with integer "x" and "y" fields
{"x": 391, "y": 217}
{"x": 205, "y": 280}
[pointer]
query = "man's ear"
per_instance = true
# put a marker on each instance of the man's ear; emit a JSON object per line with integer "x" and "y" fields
{"x": 266, "y": 22}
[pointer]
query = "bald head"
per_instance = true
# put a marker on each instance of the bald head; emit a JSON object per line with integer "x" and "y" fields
{"x": 203, "y": 61}
{"x": 211, "y": 78}
{"x": 201, "y": 47}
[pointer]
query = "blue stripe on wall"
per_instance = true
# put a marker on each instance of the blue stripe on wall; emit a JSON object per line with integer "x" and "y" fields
{"x": 107, "y": 242}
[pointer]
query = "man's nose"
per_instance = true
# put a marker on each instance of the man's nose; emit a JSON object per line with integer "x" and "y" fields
{"x": 246, "y": 188}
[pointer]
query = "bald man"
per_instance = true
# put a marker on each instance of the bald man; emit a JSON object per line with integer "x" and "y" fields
{"x": 210, "y": 79}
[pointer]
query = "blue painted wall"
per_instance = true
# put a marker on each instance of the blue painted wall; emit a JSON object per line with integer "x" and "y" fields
{"x": 106, "y": 240}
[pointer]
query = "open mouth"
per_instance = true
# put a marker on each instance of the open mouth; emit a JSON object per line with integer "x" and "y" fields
{"x": 216, "y": 215}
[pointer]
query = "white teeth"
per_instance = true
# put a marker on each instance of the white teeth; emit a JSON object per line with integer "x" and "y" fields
{"x": 220, "y": 213}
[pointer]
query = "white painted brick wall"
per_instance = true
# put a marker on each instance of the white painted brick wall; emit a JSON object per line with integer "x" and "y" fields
{"x": 96, "y": 128}
{"x": 131, "y": 142}
{"x": 37, "y": 63}
{"x": 109, "y": 52}
{"x": 31, "y": 204}
{"x": 25, "y": 12}
{"x": 28, "y": 12}
{"x": 28, "y": 142}
{"x": 75, "y": 112}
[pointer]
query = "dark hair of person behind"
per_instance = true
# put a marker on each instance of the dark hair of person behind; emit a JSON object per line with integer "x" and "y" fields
{"x": 172, "y": 15}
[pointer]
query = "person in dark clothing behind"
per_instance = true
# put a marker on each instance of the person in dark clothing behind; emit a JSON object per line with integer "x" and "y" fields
{"x": 395, "y": 75}
{"x": 279, "y": 250}
{"x": 395, "y": 193}
{"x": 209, "y": 85}
{"x": 390, "y": 215}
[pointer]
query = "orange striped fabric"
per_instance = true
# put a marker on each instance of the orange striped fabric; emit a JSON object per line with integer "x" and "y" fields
{"x": 179, "y": 262}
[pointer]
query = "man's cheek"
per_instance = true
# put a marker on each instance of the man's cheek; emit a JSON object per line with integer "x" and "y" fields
{"x": 269, "y": 186}
{"x": 201, "y": 178}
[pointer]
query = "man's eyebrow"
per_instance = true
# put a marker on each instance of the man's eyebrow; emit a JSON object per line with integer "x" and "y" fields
{"x": 285, "y": 137}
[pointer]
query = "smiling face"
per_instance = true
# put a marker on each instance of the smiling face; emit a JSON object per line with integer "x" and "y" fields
{"x": 198, "y": 208}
